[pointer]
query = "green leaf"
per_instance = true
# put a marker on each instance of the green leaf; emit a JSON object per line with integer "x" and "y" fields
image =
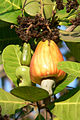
{"x": 32, "y": 7}
{"x": 9, "y": 10}
{"x": 72, "y": 68}
{"x": 10, "y": 103}
{"x": 74, "y": 49}
{"x": 69, "y": 94}
{"x": 39, "y": 117}
{"x": 30, "y": 93}
{"x": 10, "y": 16}
{"x": 70, "y": 36}
{"x": 0, "y": 59}
{"x": 77, "y": 29}
{"x": 68, "y": 109}
{"x": 62, "y": 13}
{"x": 48, "y": 7}
{"x": 56, "y": 118}
{"x": 60, "y": 87}
{"x": 78, "y": 1}
{"x": 11, "y": 60}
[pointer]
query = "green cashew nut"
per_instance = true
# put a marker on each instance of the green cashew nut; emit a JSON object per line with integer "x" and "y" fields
{"x": 26, "y": 54}
{"x": 22, "y": 74}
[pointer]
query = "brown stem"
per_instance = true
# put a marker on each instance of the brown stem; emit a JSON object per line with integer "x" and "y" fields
{"x": 28, "y": 28}
{"x": 42, "y": 6}
{"x": 71, "y": 28}
{"x": 48, "y": 28}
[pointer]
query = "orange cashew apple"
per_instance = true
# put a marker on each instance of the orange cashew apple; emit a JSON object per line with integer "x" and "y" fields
{"x": 44, "y": 64}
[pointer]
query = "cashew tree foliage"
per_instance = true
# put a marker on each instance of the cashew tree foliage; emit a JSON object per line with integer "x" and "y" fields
{"x": 30, "y": 42}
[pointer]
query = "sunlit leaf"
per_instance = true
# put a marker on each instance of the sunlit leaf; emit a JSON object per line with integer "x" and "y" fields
{"x": 68, "y": 109}
{"x": 72, "y": 68}
{"x": 70, "y": 36}
{"x": 10, "y": 103}
{"x": 48, "y": 7}
{"x": 9, "y": 10}
{"x": 32, "y": 7}
{"x": 11, "y": 60}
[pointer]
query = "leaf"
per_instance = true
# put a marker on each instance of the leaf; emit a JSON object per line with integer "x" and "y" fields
{"x": 78, "y": 1}
{"x": 48, "y": 8}
{"x": 62, "y": 13}
{"x": 10, "y": 16}
{"x": 56, "y": 118}
{"x": 77, "y": 29}
{"x": 69, "y": 94}
{"x": 9, "y": 10}
{"x": 70, "y": 36}
{"x": 11, "y": 60}
{"x": 68, "y": 109}
{"x": 32, "y": 7}
{"x": 72, "y": 68}
{"x": 10, "y": 103}
{"x": 74, "y": 49}
{"x": 39, "y": 117}
{"x": 30, "y": 93}
{"x": 60, "y": 87}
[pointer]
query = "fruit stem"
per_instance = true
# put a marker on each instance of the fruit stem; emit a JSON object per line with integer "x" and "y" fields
{"x": 42, "y": 6}
{"x": 48, "y": 84}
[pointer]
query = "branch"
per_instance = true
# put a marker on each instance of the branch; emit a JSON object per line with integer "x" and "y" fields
{"x": 71, "y": 28}
{"x": 42, "y": 6}
{"x": 27, "y": 31}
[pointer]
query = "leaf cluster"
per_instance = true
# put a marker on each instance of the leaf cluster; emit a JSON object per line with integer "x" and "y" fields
{"x": 67, "y": 106}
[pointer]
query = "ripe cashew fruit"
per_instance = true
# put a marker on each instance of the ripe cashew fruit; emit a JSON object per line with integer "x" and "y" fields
{"x": 44, "y": 63}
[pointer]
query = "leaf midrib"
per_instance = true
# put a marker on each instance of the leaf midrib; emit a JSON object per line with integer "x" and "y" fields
{"x": 15, "y": 102}
{"x": 71, "y": 103}
{"x": 12, "y": 4}
{"x": 17, "y": 56}
{"x": 72, "y": 70}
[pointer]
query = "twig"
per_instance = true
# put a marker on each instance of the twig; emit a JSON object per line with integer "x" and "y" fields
{"x": 24, "y": 3}
{"x": 71, "y": 28}
{"x": 42, "y": 6}
{"x": 29, "y": 28}
{"x": 48, "y": 28}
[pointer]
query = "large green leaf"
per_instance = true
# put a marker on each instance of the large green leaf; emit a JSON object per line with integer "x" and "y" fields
{"x": 9, "y": 10}
{"x": 68, "y": 109}
{"x": 60, "y": 87}
{"x": 72, "y": 68}
{"x": 48, "y": 7}
{"x": 70, "y": 36}
{"x": 62, "y": 14}
{"x": 77, "y": 29}
{"x": 74, "y": 49}
{"x": 30, "y": 93}
{"x": 11, "y": 60}
{"x": 78, "y": 1}
{"x": 10, "y": 103}
{"x": 32, "y": 7}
